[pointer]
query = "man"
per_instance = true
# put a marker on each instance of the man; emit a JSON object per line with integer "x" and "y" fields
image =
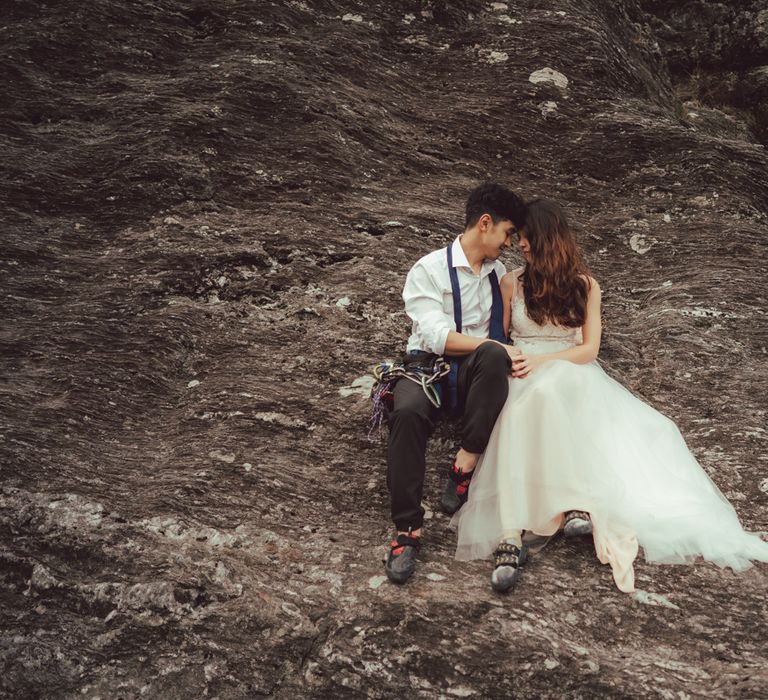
{"x": 452, "y": 297}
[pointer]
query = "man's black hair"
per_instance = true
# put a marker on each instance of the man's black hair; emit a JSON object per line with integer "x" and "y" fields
{"x": 497, "y": 201}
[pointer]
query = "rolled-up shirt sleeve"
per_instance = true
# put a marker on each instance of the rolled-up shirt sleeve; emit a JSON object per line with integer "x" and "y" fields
{"x": 423, "y": 299}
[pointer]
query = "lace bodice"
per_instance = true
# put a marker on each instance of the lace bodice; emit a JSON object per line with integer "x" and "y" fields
{"x": 532, "y": 337}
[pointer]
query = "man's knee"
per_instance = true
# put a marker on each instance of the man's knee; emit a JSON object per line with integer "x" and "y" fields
{"x": 411, "y": 409}
{"x": 408, "y": 413}
{"x": 493, "y": 355}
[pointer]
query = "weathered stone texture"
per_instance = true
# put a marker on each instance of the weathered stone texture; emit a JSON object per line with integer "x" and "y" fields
{"x": 209, "y": 210}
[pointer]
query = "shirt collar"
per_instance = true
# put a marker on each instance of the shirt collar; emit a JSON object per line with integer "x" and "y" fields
{"x": 460, "y": 259}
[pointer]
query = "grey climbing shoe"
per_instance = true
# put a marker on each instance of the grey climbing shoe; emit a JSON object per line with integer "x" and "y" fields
{"x": 577, "y": 523}
{"x": 507, "y": 560}
{"x": 401, "y": 562}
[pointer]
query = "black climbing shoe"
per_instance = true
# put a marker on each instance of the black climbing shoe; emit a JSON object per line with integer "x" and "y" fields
{"x": 507, "y": 560}
{"x": 401, "y": 562}
{"x": 577, "y": 523}
{"x": 456, "y": 490}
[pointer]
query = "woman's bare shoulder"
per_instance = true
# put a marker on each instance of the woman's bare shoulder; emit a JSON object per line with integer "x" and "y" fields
{"x": 511, "y": 277}
{"x": 508, "y": 280}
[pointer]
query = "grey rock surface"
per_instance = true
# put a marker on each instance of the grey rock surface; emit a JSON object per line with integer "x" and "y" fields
{"x": 209, "y": 211}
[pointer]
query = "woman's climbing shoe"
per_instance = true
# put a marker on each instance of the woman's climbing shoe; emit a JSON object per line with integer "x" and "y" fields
{"x": 401, "y": 561}
{"x": 507, "y": 560}
{"x": 577, "y": 522}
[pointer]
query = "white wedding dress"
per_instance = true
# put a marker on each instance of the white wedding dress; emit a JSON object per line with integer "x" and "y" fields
{"x": 571, "y": 438}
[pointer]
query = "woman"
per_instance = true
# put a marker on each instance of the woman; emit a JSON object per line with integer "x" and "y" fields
{"x": 570, "y": 438}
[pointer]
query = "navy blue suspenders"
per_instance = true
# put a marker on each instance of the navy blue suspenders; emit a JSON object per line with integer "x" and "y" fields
{"x": 455, "y": 289}
{"x": 496, "y": 330}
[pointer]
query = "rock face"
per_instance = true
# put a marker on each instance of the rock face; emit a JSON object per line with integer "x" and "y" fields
{"x": 209, "y": 211}
{"x": 718, "y": 56}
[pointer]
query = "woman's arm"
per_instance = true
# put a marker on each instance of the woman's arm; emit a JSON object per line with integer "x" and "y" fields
{"x": 507, "y": 286}
{"x": 580, "y": 354}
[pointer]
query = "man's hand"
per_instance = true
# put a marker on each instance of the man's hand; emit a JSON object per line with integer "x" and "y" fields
{"x": 514, "y": 352}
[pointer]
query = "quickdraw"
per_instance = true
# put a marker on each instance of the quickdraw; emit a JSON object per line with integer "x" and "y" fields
{"x": 388, "y": 373}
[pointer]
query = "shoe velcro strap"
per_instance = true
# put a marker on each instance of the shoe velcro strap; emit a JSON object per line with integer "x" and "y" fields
{"x": 460, "y": 477}
{"x": 406, "y": 541}
{"x": 507, "y": 548}
{"x": 574, "y": 514}
{"x": 506, "y": 554}
{"x": 506, "y": 560}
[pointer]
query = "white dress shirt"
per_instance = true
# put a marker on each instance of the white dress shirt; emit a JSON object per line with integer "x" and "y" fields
{"x": 429, "y": 300}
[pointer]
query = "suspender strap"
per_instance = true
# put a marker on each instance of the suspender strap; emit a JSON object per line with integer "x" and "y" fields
{"x": 455, "y": 289}
{"x": 496, "y": 331}
{"x": 453, "y": 375}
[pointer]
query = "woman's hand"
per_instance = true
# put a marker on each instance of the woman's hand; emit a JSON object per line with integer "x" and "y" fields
{"x": 513, "y": 351}
{"x": 523, "y": 365}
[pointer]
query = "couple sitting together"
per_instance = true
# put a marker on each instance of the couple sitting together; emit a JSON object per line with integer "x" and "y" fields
{"x": 548, "y": 439}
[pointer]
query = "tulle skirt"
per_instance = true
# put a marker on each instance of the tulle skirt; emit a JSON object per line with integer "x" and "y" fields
{"x": 571, "y": 438}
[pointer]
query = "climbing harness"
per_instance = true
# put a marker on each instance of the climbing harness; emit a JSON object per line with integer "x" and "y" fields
{"x": 388, "y": 373}
{"x": 425, "y": 376}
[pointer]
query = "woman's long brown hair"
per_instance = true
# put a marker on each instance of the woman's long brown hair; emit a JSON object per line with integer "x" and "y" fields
{"x": 555, "y": 290}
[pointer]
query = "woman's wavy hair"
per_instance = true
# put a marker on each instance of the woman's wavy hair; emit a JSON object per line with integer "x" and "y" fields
{"x": 555, "y": 290}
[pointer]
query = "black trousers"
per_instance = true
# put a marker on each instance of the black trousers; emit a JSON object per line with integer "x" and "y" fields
{"x": 482, "y": 389}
